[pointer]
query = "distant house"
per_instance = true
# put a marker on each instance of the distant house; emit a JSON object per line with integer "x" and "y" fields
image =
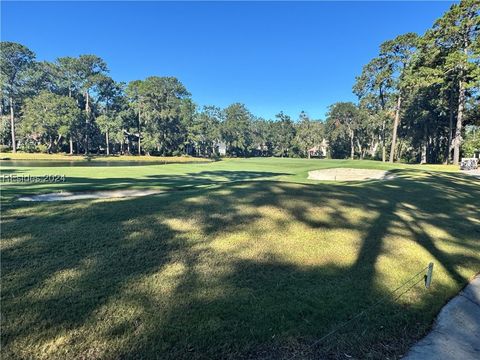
{"x": 319, "y": 151}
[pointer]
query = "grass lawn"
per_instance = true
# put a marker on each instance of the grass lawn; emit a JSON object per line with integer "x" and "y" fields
{"x": 95, "y": 158}
{"x": 241, "y": 258}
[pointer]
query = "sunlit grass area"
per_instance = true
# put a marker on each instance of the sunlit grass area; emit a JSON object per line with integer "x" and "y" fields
{"x": 180, "y": 176}
{"x": 236, "y": 259}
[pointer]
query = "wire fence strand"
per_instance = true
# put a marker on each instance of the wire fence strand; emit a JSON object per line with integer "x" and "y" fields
{"x": 363, "y": 312}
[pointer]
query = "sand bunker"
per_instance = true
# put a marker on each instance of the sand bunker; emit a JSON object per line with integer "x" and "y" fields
{"x": 475, "y": 173}
{"x": 66, "y": 196}
{"x": 347, "y": 174}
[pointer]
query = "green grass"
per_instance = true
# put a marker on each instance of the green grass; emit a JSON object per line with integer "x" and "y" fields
{"x": 94, "y": 158}
{"x": 242, "y": 258}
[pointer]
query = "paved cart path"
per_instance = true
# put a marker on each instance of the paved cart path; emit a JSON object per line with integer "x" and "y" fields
{"x": 456, "y": 332}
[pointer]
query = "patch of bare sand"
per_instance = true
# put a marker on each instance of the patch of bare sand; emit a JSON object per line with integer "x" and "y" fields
{"x": 69, "y": 196}
{"x": 475, "y": 173}
{"x": 349, "y": 174}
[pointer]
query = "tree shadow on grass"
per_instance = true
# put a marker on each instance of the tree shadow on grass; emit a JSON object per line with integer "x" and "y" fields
{"x": 197, "y": 274}
{"x": 161, "y": 181}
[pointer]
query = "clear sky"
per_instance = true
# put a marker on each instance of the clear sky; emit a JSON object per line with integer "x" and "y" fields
{"x": 271, "y": 56}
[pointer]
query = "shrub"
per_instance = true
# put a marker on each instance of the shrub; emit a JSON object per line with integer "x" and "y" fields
{"x": 5, "y": 148}
{"x": 28, "y": 146}
{"x": 41, "y": 148}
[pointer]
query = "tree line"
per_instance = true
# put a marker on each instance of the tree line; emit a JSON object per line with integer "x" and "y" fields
{"x": 418, "y": 101}
{"x": 426, "y": 89}
{"x": 72, "y": 105}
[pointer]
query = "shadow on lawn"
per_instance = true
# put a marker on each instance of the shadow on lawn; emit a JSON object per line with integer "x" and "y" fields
{"x": 144, "y": 277}
{"x": 167, "y": 182}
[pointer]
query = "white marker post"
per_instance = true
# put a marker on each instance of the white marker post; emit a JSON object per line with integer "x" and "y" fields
{"x": 428, "y": 277}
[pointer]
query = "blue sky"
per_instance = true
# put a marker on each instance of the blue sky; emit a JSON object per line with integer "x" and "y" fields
{"x": 271, "y": 56}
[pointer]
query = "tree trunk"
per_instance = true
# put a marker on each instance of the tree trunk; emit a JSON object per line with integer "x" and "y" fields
{"x": 57, "y": 143}
{"x": 450, "y": 129}
{"x": 12, "y": 127}
{"x": 374, "y": 146}
{"x": 458, "y": 130}
{"x": 50, "y": 145}
{"x": 352, "y": 146}
{"x": 360, "y": 150}
{"x": 395, "y": 127}
{"x": 70, "y": 139}
{"x": 423, "y": 159}
{"x": 108, "y": 146}
{"x": 384, "y": 146}
{"x": 400, "y": 149}
{"x": 139, "y": 133}
{"x": 87, "y": 110}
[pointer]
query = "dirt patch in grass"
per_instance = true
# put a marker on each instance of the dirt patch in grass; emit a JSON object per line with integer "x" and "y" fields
{"x": 349, "y": 174}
